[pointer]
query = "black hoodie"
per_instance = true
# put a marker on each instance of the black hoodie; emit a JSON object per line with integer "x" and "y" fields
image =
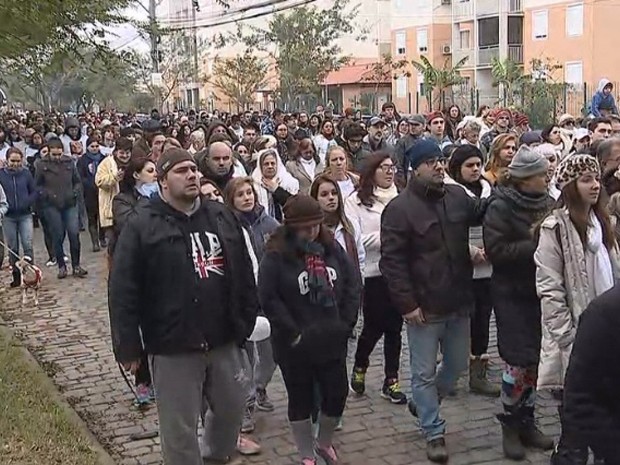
{"x": 185, "y": 281}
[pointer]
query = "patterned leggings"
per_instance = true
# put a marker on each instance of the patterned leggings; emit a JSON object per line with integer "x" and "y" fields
{"x": 519, "y": 387}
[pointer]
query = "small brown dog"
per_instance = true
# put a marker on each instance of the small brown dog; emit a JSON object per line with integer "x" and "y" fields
{"x": 31, "y": 278}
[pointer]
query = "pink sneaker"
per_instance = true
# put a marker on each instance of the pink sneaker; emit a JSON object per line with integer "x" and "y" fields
{"x": 245, "y": 446}
{"x": 329, "y": 455}
{"x": 308, "y": 461}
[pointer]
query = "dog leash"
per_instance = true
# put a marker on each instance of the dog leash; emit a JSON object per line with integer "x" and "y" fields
{"x": 143, "y": 434}
{"x": 7, "y": 248}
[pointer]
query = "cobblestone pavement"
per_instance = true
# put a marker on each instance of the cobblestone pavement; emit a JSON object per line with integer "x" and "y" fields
{"x": 69, "y": 335}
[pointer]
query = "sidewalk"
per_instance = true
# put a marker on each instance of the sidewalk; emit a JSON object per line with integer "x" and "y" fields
{"x": 69, "y": 335}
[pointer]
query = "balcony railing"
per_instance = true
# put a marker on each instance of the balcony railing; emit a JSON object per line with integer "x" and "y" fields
{"x": 493, "y": 7}
{"x": 486, "y": 55}
{"x": 515, "y": 53}
{"x": 463, "y": 10}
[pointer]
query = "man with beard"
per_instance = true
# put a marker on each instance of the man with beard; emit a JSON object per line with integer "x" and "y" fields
{"x": 425, "y": 259}
{"x": 390, "y": 117}
{"x": 217, "y": 164}
{"x": 600, "y": 128}
{"x": 73, "y": 132}
{"x": 109, "y": 172}
{"x": 375, "y": 139}
{"x": 59, "y": 184}
{"x": 143, "y": 147}
{"x": 417, "y": 123}
{"x": 500, "y": 126}
{"x": 353, "y": 141}
{"x": 184, "y": 292}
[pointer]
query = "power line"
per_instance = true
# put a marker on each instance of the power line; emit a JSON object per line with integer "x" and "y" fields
{"x": 244, "y": 18}
{"x": 227, "y": 13}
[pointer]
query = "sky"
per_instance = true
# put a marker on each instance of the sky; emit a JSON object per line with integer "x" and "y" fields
{"x": 126, "y": 37}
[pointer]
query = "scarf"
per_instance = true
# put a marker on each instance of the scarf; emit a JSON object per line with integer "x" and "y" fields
{"x": 309, "y": 166}
{"x": 383, "y": 196}
{"x": 598, "y": 262}
{"x": 321, "y": 289}
{"x": 540, "y": 203}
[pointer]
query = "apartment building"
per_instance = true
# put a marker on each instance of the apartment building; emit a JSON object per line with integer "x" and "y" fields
{"x": 579, "y": 35}
{"x": 373, "y": 15}
{"x": 419, "y": 28}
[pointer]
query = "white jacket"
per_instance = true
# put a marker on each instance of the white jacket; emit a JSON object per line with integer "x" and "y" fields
{"x": 322, "y": 145}
{"x": 361, "y": 253}
{"x": 566, "y": 289}
{"x": 368, "y": 220}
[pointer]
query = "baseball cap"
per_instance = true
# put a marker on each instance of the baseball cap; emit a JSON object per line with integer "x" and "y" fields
{"x": 375, "y": 120}
{"x": 417, "y": 119}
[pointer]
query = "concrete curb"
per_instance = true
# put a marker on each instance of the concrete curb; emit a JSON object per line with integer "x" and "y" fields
{"x": 103, "y": 458}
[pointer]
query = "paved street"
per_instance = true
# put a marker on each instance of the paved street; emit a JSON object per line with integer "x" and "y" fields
{"x": 69, "y": 335}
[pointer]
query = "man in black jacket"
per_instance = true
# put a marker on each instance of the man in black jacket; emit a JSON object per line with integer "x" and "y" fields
{"x": 426, "y": 262}
{"x": 591, "y": 410}
{"x": 182, "y": 282}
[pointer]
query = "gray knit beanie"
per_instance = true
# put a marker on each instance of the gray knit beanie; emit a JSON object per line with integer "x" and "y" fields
{"x": 527, "y": 162}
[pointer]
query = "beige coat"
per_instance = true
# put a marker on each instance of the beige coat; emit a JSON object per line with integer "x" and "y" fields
{"x": 565, "y": 290}
{"x": 299, "y": 173}
{"x": 106, "y": 181}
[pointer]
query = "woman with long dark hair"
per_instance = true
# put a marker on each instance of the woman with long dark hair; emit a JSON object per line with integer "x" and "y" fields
{"x": 520, "y": 201}
{"x": 306, "y": 166}
{"x": 552, "y": 134}
{"x": 326, "y": 191}
{"x": 310, "y": 292}
{"x": 325, "y": 139}
{"x": 577, "y": 260}
{"x": 314, "y": 124}
{"x": 139, "y": 183}
{"x": 381, "y": 317}
{"x": 453, "y": 117}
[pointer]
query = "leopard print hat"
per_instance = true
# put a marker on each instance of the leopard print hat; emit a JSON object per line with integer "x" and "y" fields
{"x": 575, "y": 166}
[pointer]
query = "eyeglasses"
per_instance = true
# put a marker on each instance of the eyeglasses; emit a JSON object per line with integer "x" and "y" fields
{"x": 388, "y": 168}
{"x": 434, "y": 161}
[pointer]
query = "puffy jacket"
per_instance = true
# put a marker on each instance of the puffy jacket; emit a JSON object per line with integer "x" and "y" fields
{"x": 285, "y": 300}
{"x": 425, "y": 249}
{"x": 260, "y": 228}
{"x": 124, "y": 207}
{"x": 107, "y": 182}
{"x": 565, "y": 289}
{"x": 58, "y": 182}
{"x": 509, "y": 244}
{"x": 591, "y": 401}
{"x": 600, "y": 101}
{"x": 20, "y": 190}
{"x": 159, "y": 282}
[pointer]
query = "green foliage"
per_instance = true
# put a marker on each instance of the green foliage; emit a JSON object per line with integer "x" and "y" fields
{"x": 436, "y": 79}
{"x": 303, "y": 43}
{"x": 240, "y": 77}
{"x": 509, "y": 76}
{"x": 384, "y": 70}
{"x": 46, "y": 26}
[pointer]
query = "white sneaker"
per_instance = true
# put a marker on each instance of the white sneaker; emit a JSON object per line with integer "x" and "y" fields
{"x": 51, "y": 262}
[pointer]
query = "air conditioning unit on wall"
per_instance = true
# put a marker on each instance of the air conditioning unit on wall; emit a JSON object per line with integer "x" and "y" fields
{"x": 446, "y": 49}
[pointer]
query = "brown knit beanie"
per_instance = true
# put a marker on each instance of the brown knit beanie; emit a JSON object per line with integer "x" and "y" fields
{"x": 171, "y": 157}
{"x": 302, "y": 210}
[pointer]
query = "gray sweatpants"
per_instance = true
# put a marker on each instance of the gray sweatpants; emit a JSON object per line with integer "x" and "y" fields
{"x": 223, "y": 374}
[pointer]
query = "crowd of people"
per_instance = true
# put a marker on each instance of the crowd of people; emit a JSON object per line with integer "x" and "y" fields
{"x": 237, "y": 244}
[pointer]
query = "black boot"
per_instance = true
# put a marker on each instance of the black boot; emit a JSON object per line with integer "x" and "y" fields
{"x": 17, "y": 278}
{"x": 567, "y": 452}
{"x": 94, "y": 237}
{"x": 511, "y": 442}
{"x": 529, "y": 433}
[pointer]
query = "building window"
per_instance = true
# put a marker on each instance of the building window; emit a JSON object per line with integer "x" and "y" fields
{"x": 540, "y": 25}
{"x": 464, "y": 39}
{"x": 422, "y": 40}
{"x": 573, "y": 72}
{"x": 400, "y": 39}
{"x": 466, "y": 84}
{"x": 574, "y": 20}
{"x": 401, "y": 87}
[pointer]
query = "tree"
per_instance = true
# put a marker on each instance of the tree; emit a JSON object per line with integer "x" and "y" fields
{"x": 384, "y": 70}
{"x": 303, "y": 43}
{"x": 61, "y": 25}
{"x": 240, "y": 77}
{"x": 508, "y": 75}
{"x": 436, "y": 80}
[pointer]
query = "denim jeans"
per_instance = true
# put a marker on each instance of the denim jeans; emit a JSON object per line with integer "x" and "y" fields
{"x": 428, "y": 382}
{"x": 61, "y": 222}
{"x": 18, "y": 230}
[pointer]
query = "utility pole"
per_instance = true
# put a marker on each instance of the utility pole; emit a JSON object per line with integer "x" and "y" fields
{"x": 154, "y": 34}
{"x": 196, "y": 92}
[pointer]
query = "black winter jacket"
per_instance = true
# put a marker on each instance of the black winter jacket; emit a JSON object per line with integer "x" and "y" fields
{"x": 155, "y": 285}
{"x": 510, "y": 245}
{"x": 425, "y": 249}
{"x": 591, "y": 401}
{"x": 58, "y": 182}
{"x": 286, "y": 303}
